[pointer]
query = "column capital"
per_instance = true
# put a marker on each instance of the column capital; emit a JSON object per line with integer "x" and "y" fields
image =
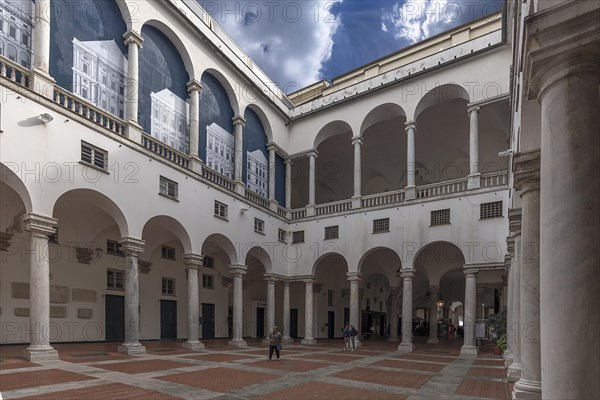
{"x": 270, "y": 278}
{"x": 132, "y": 36}
{"x": 238, "y": 269}
{"x": 308, "y": 279}
{"x": 239, "y": 120}
{"x": 510, "y": 245}
{"x": 288, "y": 161}
{"x": 313, "y": 153}
{"x": 271, "y": 146}
{"x": 193, "y": 260}
{"x": 410, "y": 125}
{"x": 527, "y": 170}
{"x": 40, "y": 225}
{"x": 473, "y": 108}
{"x": 357, "y": 139}
{"x": 507, "y": 263}
{"x": 354, "y": 276}
{"x": 194, "y": 85}
{"x": 407, "y": 273}
{"x": 514, "y": 220}
{"x": 132, "y": 246}
{"x": 470, "y": 272}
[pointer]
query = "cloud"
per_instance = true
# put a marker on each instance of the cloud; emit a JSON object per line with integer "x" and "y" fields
{"x": 288, "y": 40}
{"x": 415, "y": 20}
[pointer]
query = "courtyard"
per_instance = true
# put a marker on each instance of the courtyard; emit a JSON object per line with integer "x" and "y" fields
{"x": 323, "y": 371}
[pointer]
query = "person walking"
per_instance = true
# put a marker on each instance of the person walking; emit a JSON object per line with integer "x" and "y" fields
{"x": 353, "y": 334}
{"x": 347, "y": 333}
{"x": 275, "y": 342}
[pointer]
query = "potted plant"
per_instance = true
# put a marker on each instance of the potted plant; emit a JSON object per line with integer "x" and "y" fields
{"x": 497, "y": 325}
{"x": 501, "y": 343}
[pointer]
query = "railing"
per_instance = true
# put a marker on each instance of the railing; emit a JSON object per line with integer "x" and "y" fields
{"x": 256, "y": 198}
{"x": 441, "y": 188}
{"x": 156, "y": 146}
{"x": 14, "y": 72}
{"x": 494, "y": 179}
{"x": 332, "y": 208}
{"x": 282, "y": 211}
{"x": 215, "y": 177}
{"x": 382, "y": 199}
{"x": 88, "y": 111}
{"x": 299, "y": 213}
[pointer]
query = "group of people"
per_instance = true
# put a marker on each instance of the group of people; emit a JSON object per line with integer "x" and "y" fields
{"x": 350, "y": 334}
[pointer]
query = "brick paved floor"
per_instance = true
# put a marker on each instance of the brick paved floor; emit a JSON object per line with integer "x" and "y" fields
{"x": 323, "y": 371}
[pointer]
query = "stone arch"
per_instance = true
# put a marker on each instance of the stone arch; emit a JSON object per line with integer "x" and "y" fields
{"x": 174, "y": 229}
{"x": 126, "y": 12}
{"x": 13, "y": 181}
{"x": 382, "y": 112}
{"x": 257, "y": 253}
{"x": 219, "y": 246}
{"x": 176, "y": 41}
{"x": 446, "y": 93}
{"x": 332, "y": 129}
{"x": 229, "y": 88}
{"x": 435, "y": 259}
{"x": 263, "y": 119}
{"x": 388, "y": 255}
{"x": 329, "y": 258}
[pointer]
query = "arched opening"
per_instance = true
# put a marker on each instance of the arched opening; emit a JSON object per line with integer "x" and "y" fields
{"x": 383, "y": 157}
{"x": 255, "y": 293}
{"x": 255, "y": 156}
{"x": 331, "y": 298}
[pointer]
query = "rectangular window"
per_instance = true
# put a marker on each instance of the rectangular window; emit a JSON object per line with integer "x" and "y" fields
{"x": 25, "y": 39}
{"x": 12, "y": 31}
{"x": 259, "y": 225}
{"x": 168, "y": 252}
{"x": 115, "y": 279}
{"x": 440, "y": 217}
{"x": 490, "y": 210}
{"x": 281, "y": 235}
{"x": 298, "y": 237}
{"x": 381, "y": 225}
{"x": 209, "y": 262}
{"x": 84, "y": 67}
{"x": 220, "y": 210}
{"x": 332, "y": 232}
{"x": 168, "y": 286}
{"x": 208, "y": 281}
{"x": 93, "y": 155}
{"x": 330, "y": 298}
{"x": 113, "y": 247}
{"x": 168, "y": 188}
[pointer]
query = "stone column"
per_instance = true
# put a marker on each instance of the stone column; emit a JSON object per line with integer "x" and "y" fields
{"x": 288, "y": 184}
{"x": 270, "y": 303}
{"x": 564, "y": 66}
{"x": 393, "y": 315}
{"x": 514, "y": 219}
{"x": 354, "y": 278}
{"x": 357, "y": 142}
{"x": 238, "y": 123}
{"x": 133, "y": 41}
{"x": 527, "y": 181}
{"x": 237, "y": 270}
{"x": 406, "y": 346}
{"x": 194, "y": 89}
{"x": 309, "y": 337}
{"x": 312, "y": 171}
{"x": 132, "y": 248}
{"x": 508, "y": 356}
{"x": 469, "y": 347}
{"x": 272, "y": 153}
{"x": 286, "y": 313}
{"x": 474, "y": 180}
{"x": 193, "y": 263}
{"x": 39, "y": 227}
{"x": 41, "y": 81}
{"x": 411, "y": 192}
{"x": 433, "y": 312}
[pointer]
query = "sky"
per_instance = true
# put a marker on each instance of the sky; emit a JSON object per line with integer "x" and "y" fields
{"x": 297, "y": 43}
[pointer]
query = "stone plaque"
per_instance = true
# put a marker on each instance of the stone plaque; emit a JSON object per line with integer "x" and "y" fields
{"x": 85, "y": 313}
{"x": 20, "y": 290}
{"x": 86, "y": 295}
{"x": 22, "y": 312}
{"x": 59, "y": 294}
{"x": 58, "y": 312}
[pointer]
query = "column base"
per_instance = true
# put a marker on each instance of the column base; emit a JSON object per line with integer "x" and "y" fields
{"x": 406, "y": 347}
{"x": 514, "y": 372}
{"x": 393, "y": 339}
{"x": 134, "y": 131}
{"x": 410, "y": 193}
{"x": 194, "y": 346}
{"x": 241, "y": 343}
{"x": 287, "y": 340}
{"x": 42, "y": 83}
{"x": 356, "y": 201}
{"x": 132, "y": 349}
{"x": 433, "y": 340}
{"x": 474, "y": 181}
{"x": 44, "y": 353}
{"x": 468, "y": 350}
{"x": 196, "y": 164}
{"x": 527, "y": 390}
{"x": 308, "y": 341}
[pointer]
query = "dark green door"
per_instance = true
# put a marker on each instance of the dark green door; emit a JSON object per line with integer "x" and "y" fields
{"x": 260, "y": 322}
{"x": 114, "y": 317}
{"x": 294, "y": 322}
{"x": 330, "y": 324}
{"x": 208, "y": 321}
{"x": 168, "y": 319}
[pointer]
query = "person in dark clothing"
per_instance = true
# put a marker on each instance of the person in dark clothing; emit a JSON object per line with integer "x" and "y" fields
{"x": 274, "y": 342}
